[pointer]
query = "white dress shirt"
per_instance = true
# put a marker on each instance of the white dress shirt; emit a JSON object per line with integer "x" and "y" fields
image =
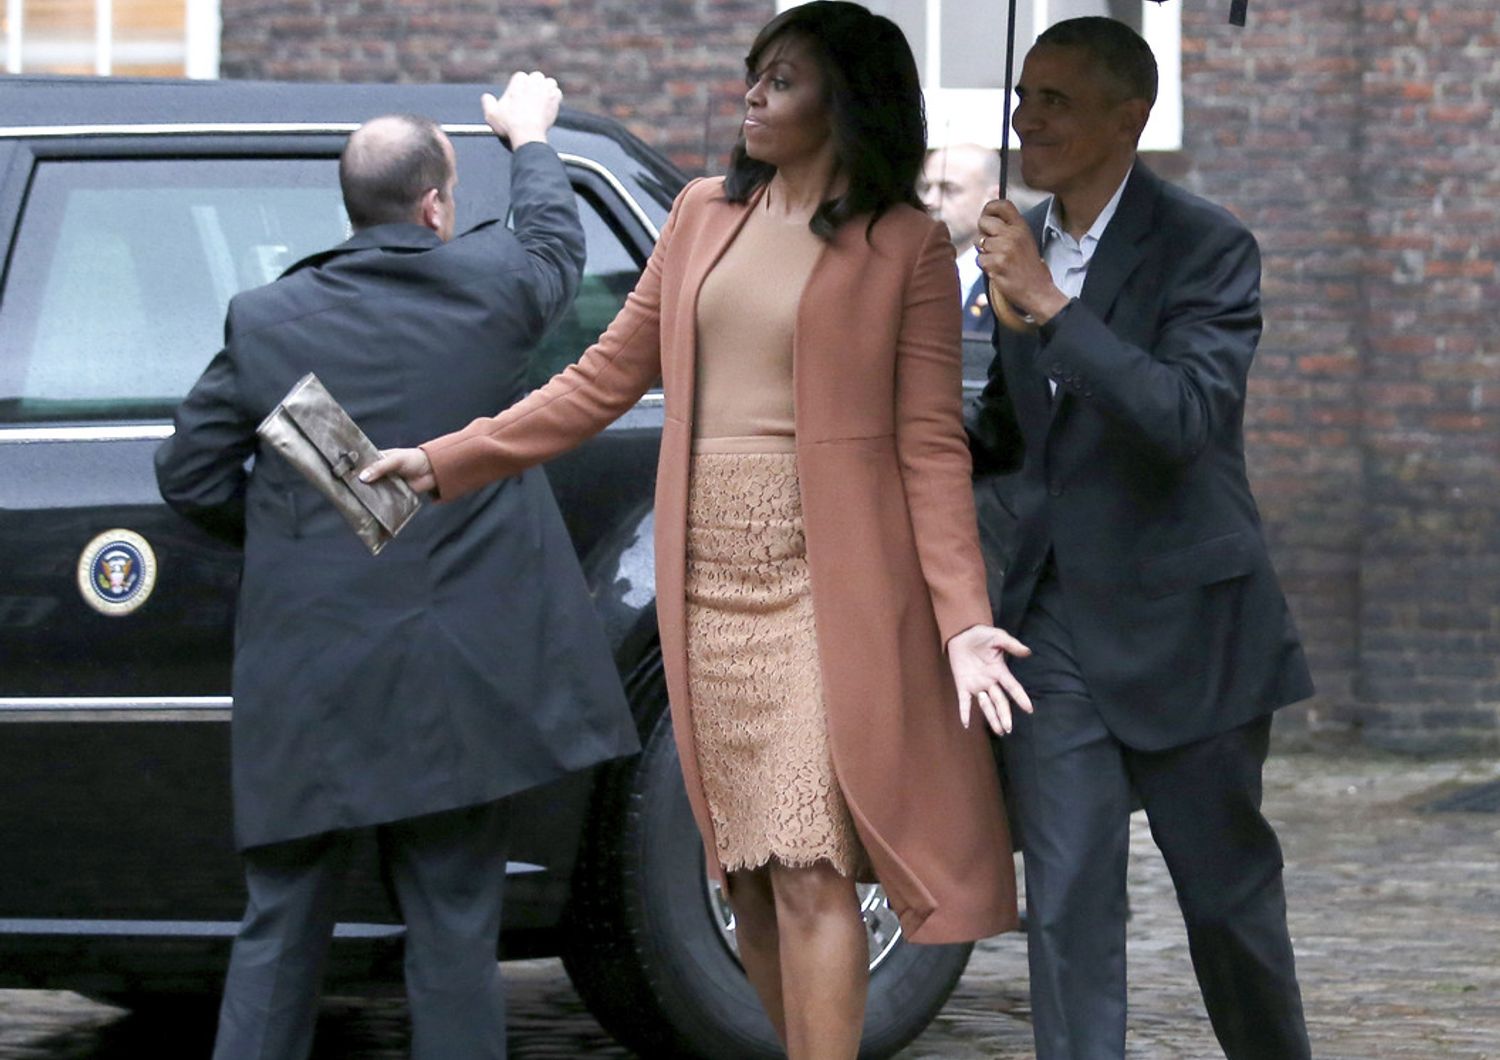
{"x": 968, "y": 272}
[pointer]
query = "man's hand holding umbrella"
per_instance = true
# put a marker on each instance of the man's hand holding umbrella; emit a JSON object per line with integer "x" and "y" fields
{"x": 1009, "y": 257}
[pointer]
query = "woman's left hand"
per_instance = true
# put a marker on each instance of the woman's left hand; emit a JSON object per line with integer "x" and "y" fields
{"x": 409, "y": 464}
{"x": 977, "y": 656}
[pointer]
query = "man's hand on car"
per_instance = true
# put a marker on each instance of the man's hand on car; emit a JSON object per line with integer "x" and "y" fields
{"x": 526, "y": 110}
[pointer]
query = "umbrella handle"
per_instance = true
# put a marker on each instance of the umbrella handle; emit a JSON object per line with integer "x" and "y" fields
{"x": 1010, "y": 318}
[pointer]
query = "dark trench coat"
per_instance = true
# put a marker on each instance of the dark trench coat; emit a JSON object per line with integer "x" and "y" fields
{"x": 465, "y": 662}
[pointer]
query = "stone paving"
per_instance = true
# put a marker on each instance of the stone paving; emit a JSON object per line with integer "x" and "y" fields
{"x": 1395, "y": 914}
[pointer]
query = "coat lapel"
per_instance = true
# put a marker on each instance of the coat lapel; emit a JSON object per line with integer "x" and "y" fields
{"x": 1120, "y": 251}
{"x": 848, "y": 243}
{"x": 1032, "y": 381}
{"x": 1118, "y": 255}
{"x": 701, "y": 261}
{"x": 1036, "y": 219}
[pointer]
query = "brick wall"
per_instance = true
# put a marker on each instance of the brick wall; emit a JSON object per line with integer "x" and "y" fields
{"x": 671, "y": 70}
{"x": 1362, "y": 146}
{"x": 1430, "y": 607}
{"x": 1361, "y": 143}
{"x": 1271, "y": 130}
{"x": 1357, "y": 138}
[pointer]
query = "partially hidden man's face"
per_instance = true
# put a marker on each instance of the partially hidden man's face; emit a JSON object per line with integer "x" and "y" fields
{"x": 1075, "y": 128}
{"x": 786, "y": 105}
{"x": 956, "y": 183}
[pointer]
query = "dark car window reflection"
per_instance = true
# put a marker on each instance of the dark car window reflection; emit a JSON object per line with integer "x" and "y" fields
{"x": 123, "y": 271}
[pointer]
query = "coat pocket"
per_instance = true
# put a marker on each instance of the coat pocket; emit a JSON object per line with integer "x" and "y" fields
{"x": 1216, "y": 560}
{"x": 274, "y": 509}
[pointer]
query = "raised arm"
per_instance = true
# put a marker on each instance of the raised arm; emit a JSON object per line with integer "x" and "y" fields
{"x": 542, "y": 200}
{"x": 573, "y": 406}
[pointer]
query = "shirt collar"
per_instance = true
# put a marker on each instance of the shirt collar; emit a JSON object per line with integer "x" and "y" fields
{"x": 968, "y": 271}
{"x": 1052, "y": 227}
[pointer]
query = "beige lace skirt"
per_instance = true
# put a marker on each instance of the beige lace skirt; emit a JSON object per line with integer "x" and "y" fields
{"x": 759, "y": 720}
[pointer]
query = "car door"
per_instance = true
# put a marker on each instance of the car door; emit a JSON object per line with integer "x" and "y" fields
{"x": 116, "y": 616}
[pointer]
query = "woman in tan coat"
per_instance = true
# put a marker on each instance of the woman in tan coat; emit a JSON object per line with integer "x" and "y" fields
{"x": 816, "y": 549}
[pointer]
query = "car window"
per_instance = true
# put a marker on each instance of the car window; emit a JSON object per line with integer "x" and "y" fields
{"x": 123, "y": 270}
{"x": 608, "y": 276}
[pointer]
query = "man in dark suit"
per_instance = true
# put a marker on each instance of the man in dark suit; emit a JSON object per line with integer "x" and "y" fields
{"x": 1161, "y": 641}
{"x": 413, "y": 691}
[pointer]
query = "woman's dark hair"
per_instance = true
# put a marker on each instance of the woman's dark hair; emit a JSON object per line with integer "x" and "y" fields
{"x": 874, "y": 106}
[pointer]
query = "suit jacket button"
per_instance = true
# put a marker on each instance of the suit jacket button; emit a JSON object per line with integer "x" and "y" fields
{"x": 1056, "y": 491}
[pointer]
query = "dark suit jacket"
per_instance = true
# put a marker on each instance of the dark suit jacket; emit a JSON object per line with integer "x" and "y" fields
{"x": 1134, "y": 478}
{"x": 979, "y": 318}
{"x": 465, "y": 662}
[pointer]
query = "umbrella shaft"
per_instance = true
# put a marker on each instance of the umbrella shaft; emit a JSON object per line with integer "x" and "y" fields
{"x": 1010, "y": 66}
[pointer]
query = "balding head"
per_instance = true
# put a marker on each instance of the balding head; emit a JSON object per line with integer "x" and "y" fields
{"x": 983, "y": 161}
{"x": 957, "y": 181}
{"x": 388, "y": 167}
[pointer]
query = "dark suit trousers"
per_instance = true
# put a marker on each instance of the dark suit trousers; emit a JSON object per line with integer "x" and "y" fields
{"x": 448, "y": 873}
{"x": 1072, "y": 782}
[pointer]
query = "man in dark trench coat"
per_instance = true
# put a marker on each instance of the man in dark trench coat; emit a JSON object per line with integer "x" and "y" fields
{"x": 413, "y": 691}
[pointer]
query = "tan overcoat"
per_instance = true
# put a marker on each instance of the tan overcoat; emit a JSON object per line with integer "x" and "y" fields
{"x": 892, "y": 545}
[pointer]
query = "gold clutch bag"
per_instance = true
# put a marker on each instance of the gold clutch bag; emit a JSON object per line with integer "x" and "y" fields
{"x": 317, "y": 437}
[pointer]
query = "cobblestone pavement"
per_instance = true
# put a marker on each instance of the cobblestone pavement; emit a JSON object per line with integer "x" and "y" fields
{"x": 1395, "y": 914}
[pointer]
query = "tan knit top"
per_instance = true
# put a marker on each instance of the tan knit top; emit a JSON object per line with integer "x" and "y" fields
{"x": 747, "y": 316}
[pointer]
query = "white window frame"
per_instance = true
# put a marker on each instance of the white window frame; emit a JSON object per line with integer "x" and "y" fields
{"x": 204, "y": 31}
{"x": 200, "y": 38}
{"x": 972, "y": 115}
{"x": 13, "y": 36}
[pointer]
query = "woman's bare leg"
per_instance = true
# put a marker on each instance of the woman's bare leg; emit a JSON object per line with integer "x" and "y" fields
{"x": 754, "y": 908}
{"x": 824, "y": 961}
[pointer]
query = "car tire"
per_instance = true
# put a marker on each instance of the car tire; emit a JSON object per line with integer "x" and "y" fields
{"x": 643, "y": 949}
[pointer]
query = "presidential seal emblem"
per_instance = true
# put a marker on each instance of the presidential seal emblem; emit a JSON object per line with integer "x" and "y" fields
{"x": 116, "y": 572}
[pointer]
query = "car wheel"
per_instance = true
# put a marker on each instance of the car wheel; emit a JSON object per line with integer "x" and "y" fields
{"x": 649, "y": 941}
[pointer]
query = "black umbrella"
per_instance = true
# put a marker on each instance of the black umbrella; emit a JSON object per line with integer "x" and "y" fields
{"x": 1003, "y": 310}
